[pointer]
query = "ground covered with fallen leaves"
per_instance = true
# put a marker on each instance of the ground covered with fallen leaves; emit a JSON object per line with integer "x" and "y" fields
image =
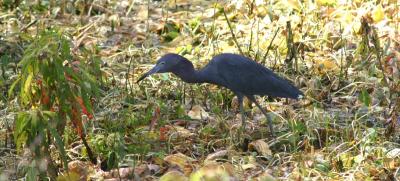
{"x": 344, "y": 56}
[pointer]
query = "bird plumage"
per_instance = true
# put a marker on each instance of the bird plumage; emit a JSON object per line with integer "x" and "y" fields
{"x": 238, "y": 73}
{"x": 243, "y": 75}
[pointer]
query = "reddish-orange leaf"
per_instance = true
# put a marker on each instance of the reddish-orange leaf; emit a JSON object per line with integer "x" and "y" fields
{"x": 76, "y": 120}
{"x": 83, "y": 107}
{"x": 45, "y": 99}
{"x": 75, "y": 66}
{"x": 68, "y": 77}
{"x": 163, "y": 133}
{"x": 155, "y": 118}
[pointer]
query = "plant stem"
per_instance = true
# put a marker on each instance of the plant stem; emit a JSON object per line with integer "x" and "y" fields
{"x": 233, "y": 34}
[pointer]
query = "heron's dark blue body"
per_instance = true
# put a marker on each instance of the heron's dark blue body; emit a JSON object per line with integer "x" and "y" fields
{"x": 238, "y": 73}
{"x": 243, "y": 75}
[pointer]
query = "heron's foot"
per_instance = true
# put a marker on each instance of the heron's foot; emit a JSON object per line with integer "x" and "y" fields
{"x": 270, "y": 125}
{"x": 272, "y": 134}
{"x": 242, "y": 139}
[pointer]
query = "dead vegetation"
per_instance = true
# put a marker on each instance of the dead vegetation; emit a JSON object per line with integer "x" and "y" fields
{"x": 343, "y": 55}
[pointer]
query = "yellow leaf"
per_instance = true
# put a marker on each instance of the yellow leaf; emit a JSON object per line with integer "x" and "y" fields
{"x": 214, "y": 171}
{"x": 325, "y": 65}
{"x": 347, "y": 160}
{"x": 391, "y": 163}
{"x": 344, "y": 16}
{"x": 71, "y": 176}
{"x": 356, "y": 26}
{"x": 28, "y": 82}
{"x": 295, "y": 4}
{"x": 378, "y": 14}
{"x": 173, "y": 176}
{"x": 262, "y": 11}
{"x": 326, "y": 2}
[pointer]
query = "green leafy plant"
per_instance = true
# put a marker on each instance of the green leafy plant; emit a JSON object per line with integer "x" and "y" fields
{"x": 53, "y": 88}
{"x": 112, "y": 147}
{"x": 298, "y": 129}
{"x": 171, "y": 31}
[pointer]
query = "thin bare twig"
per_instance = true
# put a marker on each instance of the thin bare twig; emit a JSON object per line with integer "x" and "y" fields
{"x": 341, "y": 52}
{"x": 251, "y": 38}
{"x": 377, "y": 50}
{"x": 233, "y": 34}
{"x": 29, "y": 25}
{"x": 269, "y": 46}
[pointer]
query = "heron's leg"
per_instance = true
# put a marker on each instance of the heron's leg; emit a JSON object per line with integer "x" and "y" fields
{"x": 240, "y": 100}
{"x": 253, "y": 99}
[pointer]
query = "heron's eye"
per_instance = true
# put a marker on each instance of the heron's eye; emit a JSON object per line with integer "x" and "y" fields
{"x": 162, "y": 63}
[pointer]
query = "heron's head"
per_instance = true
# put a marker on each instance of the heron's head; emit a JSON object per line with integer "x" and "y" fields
{"x": 167, "y": 63}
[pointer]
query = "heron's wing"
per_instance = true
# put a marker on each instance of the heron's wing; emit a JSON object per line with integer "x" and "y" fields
{"x": 241, "y": 74}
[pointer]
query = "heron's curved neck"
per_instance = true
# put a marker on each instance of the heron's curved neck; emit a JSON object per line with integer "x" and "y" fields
{"x": 190, "y": 75}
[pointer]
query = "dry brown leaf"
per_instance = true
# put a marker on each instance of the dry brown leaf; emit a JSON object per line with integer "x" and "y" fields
{"x": 216, "y": 155}
{"x": 81, "y": 168}
{"x": 392, "y": 64}
{"x": 235, "y": 103}
{"x": 391, "y": 163}
{"x": 198, "y": 112}
{"x": 261, "y": 147}
{"x": 178, "y": 133}
{"x": 184, "y": 162}
{"x": 141, "y": 171}
{"x": 142, "y": 12}
{"x": 153, "y": 168}
{"x": 395, "y": 153}
{"x": 249, "y": 166}
{"x": 265, "y": 176}
{"x": 178, "y": 3}
{"x": 114, "y": 173}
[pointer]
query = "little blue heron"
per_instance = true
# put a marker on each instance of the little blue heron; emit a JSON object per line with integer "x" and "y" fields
{"x": 242, "y": 75}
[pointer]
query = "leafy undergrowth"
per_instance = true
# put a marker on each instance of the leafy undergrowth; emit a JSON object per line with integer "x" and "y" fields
{"x": 344, "y": 56}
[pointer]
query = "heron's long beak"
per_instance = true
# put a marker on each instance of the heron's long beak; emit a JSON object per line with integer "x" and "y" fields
{"x": 154, "y": 70}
